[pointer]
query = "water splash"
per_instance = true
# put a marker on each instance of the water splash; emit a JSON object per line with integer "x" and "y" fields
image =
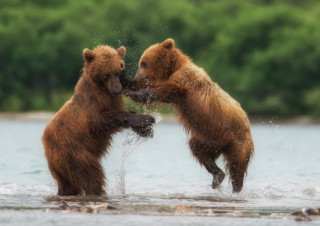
{"x": 132, "y": 142}
{"x": 128, "y": 145}
{"x": 157, "y": 116}
{"x": 285, "y": 144}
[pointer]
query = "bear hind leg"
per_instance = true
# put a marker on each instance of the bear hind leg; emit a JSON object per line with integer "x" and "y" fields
{"x": 218, "y": 174}
{"x": 96, "y": 186}
{"x": 94, "y": 179}
{"x": 206, "y": 156}
{"x": 236, "y": 175}
{"x": 68, "y": 190}
{"x": 238, "y": 157}
{"x": 65, "y": 188}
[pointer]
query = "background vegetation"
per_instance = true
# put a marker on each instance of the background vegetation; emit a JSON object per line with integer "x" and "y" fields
{"x": 265, "y": 53}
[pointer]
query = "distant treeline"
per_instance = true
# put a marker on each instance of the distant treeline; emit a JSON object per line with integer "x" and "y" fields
{"x": 265, "y": 53}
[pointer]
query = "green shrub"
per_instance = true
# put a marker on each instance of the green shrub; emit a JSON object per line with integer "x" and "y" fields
{"x": 265, "y": 53}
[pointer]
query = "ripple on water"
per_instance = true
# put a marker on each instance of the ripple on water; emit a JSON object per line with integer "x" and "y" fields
{"x": 26, "y": 190}
{"x": 32, "y": 172}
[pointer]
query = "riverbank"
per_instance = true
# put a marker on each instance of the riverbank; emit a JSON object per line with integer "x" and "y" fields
{"x": 27, "y": 116}
{"x": 46, "y": 116}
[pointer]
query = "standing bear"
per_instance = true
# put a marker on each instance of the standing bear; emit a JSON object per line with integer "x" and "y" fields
{"x": 79, "y": 134}
{"x": 216, "y": 122}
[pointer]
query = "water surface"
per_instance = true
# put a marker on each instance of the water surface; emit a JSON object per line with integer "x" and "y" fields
{"x": 158, "y": 181}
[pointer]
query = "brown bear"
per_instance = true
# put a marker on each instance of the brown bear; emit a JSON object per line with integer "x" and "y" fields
{"x": 216, "y": 122}
{"x": 79, "y": 134}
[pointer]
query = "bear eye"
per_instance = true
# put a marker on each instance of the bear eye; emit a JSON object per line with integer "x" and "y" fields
{"x": 121, "y": 65}
{"x": 143, "y": 64}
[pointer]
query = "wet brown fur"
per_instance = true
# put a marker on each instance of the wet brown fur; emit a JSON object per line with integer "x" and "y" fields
{"x": 216, "y": 122}
{"x": 79, "y": 134}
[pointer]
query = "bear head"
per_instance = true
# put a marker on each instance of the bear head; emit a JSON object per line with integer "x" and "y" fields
{"x": 104, "y": 66}
{"x": 158, "y": 62}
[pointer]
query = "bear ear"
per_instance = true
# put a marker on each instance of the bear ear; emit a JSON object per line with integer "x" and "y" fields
{"x": 168, "y": 44}
{"x": 88, "y": 55}
{"x": 121, "y": 51}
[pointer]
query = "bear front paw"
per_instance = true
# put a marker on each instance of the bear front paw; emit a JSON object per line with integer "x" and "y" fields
{"x": 141, "y": 121}
{"x": 144, "y": 95}
{"x": 142, "y": 124}
{"x": 144, "y": 131}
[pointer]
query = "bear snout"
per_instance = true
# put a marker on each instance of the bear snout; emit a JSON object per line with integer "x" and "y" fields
{"x": 114, "y": 85}
{"x": 116, "y": 89}
{"x": 117, "y": 92}
{"x": 141, "y": 77}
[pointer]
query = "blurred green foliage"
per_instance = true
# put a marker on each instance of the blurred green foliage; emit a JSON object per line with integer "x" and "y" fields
{"x": 265, "y": 53}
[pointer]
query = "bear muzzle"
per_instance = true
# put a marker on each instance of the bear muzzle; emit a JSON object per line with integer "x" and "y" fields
{"x": 114, "y": 85}
{"x": 141, "y": 76}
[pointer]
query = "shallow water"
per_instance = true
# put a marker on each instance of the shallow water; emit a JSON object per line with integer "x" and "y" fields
{"x": 161, "y": 183}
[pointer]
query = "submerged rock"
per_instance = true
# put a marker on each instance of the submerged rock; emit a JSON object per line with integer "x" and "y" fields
{"x": 313, "y": 211}
{"x": 186, "y": 210}
{"x": 85, "y": 207}
{"x": 17, "y": 207}
{"x": 304, "y": 214}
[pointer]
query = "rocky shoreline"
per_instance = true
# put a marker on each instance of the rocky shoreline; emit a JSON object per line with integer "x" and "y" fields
{"x": 46, "y": 116}
{"x": 27, "y": 116}
{"x": 101, "y": 205}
